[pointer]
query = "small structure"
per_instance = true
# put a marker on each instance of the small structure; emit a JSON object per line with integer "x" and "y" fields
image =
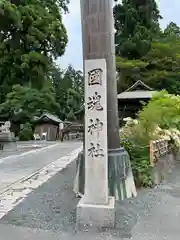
{"x": 72, "y": 130}
{"x": 130, "y": 101}
{"x": 49, "y": 124}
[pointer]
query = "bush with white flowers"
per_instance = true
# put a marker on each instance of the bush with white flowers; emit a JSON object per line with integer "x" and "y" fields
{"x": 159, "y": 119}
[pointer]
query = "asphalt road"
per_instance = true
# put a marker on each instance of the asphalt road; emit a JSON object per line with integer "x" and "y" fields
{"x": 49, "y": 212}
{"x": 29, "y": 158}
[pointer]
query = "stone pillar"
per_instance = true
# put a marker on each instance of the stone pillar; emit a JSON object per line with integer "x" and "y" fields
{"x": 96, "y": 208}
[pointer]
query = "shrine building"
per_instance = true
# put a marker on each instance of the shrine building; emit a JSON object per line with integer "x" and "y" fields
{"x": 130, "y": 101}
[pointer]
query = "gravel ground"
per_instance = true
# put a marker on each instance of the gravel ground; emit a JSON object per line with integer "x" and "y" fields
{"x": 52, "y": 206}
{"x": 49, "y": 213}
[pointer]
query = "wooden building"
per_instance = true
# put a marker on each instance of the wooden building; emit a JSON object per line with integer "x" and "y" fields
{"x": 47, "y": 126}
{"x": 72, "y": 130}
{"x": 130, "y": 101}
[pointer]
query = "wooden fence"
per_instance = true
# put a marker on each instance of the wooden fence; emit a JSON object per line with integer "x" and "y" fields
{"x": 158, "y": 149}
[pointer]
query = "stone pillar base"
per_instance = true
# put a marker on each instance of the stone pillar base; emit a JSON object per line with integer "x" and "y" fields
{"x": 96, "y": 215}
{"x": 10, "y": 146}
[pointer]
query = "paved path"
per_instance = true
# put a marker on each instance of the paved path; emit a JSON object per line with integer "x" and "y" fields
{"x": 49, "y": 213}
{"x": 13, "y": 168}
{"x": 21, "y": 147}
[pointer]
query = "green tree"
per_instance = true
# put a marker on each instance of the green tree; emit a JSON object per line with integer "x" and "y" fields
{"x": 31, "y": 36}
{"x": 69, "y": 88}
{"x": 136, "y": 22}
{"x": 163, "y": 69}
{"x": 24, "y": 103}
{"x": 159, "y": 68}
{"x": 128, "y": 72}
{"x": 172, "y": 31}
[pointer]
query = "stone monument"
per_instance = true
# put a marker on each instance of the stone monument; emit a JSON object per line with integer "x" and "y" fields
{"x": 7, "y": 138}
{"x": 96, "y": 208}
{"x": 6, "y": 127}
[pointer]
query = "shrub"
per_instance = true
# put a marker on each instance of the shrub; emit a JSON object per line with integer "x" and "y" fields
{"x": 26, "y": 133}
{"x": 139, "y": 156}
{"x": 159, "y": 119}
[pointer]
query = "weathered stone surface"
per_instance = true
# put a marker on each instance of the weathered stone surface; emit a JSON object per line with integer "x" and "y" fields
{"x": 96, "y": 208}
{"x": 96, "y": 215}
{"x": 7, "y": 137}
{"x": 96, "y": 158}
{"x": 162, "y": 168}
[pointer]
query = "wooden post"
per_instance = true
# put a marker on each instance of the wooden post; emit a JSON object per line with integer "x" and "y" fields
{"x": 151, "y": 153}
{"x": 98, "y": 43}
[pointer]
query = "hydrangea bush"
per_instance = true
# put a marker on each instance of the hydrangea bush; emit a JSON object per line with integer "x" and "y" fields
{"x": 159, "y": 119}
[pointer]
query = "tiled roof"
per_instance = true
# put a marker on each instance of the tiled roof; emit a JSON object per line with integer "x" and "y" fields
{"x": 137, "y": 84}
{"x": 50, "y": 117}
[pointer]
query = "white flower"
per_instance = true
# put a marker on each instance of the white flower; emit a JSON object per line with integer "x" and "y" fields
{"x": 157, "y": 129}
{"x": 135, "y": 121}
{"x": 167, "y": 132}
{"x": 165, "y": 137}
{"x": 128, "y": 119}
{"x": 177, "y": 142}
